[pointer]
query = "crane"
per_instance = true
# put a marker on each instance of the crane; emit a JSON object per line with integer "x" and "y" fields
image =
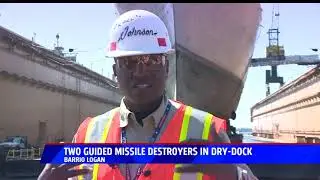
{"x": 274, "y": 51}
{"x": 275, "y": 54}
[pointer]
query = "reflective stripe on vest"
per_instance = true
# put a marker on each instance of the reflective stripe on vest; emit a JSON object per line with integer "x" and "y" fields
{"x": 103, "y": 140}
{"x": 193, "y": 123}
{"x": 205, "y": 121}
{"x": 87, "y": 140}
{"x": 95, "y": 134}
{"x": 80, "y": 137}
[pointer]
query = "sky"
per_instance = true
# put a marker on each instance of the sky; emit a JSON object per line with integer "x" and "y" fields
{"x": 85, "y": 27}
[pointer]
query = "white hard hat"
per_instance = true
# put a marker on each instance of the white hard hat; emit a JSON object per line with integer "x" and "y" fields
{"x": 138, "y": 32}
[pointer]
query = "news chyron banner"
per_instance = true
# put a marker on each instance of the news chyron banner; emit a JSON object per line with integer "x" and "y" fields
{"x": 182, "y": 153}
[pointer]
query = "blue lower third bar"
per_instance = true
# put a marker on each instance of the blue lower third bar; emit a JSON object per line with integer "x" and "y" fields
{"x": 182, "y": 153}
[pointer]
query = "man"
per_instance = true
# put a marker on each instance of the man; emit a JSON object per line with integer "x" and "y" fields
{"x": 139, "y": 44}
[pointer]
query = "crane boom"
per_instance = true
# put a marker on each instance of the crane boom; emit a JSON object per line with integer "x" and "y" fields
{"x": 296, "y": 59}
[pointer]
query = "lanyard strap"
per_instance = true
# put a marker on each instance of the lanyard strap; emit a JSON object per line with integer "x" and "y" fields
{"x": 151, "y": 140}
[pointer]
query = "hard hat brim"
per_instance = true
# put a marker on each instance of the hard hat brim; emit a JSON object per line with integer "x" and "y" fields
{"x": 134, "y": 53}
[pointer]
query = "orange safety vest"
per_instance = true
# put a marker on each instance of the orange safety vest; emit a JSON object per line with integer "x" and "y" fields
{"x": 175, "y": 132}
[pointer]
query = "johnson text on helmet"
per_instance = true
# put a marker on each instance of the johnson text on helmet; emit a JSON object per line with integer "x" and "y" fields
{"x": 133, "y": 32}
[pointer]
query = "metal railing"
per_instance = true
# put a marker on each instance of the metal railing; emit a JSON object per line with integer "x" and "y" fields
{"x": 24, "y": 154}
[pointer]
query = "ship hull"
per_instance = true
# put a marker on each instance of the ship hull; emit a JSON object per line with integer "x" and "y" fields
{"x": 213, "y": 43}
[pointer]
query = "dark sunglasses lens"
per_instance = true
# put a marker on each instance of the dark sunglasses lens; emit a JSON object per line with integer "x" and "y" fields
{"x": 132, "y": 61}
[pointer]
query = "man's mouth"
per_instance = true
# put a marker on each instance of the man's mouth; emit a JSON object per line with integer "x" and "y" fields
{"x": 142, "y": 86}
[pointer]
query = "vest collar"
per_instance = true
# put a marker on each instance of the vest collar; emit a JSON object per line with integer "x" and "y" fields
{"x": 126, "y": 116}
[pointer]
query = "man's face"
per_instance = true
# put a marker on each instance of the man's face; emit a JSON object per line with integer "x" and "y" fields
{"x": 141, "y": 78}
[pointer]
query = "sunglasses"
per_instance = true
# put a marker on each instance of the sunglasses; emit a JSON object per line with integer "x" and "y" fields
{"x": 131, "y": 62}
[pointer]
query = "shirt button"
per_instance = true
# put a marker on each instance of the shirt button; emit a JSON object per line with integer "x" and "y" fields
{"x": 147, "y": 173}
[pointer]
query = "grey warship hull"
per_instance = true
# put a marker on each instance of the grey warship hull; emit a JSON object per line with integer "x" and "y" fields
{"x": 214, "y": 44}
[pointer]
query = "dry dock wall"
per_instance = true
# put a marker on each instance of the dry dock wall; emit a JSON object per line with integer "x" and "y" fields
{"x": 292, "y": 113}
{"x": 43, "y": 98}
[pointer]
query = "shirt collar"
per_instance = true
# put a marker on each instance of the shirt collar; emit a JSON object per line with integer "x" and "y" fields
{"x": 126, "y": 115}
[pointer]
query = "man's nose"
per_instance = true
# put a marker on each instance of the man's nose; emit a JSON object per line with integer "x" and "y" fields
{"x": 140, "y": 68}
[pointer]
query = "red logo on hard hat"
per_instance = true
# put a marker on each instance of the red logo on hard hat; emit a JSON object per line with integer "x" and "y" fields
{"x": 162, "y": 42}
{"x": 113, "y": 46}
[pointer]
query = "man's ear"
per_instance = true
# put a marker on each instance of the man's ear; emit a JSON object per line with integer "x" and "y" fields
{"x": 114, "y": 69}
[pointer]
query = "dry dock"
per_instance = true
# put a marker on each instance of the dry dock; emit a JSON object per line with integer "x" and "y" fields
{"x": 44, "y": 95}
{"x": 292, "y": 113}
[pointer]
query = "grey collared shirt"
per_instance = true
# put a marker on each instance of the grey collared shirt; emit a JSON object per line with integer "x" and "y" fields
{"x": 137, "y": 133}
